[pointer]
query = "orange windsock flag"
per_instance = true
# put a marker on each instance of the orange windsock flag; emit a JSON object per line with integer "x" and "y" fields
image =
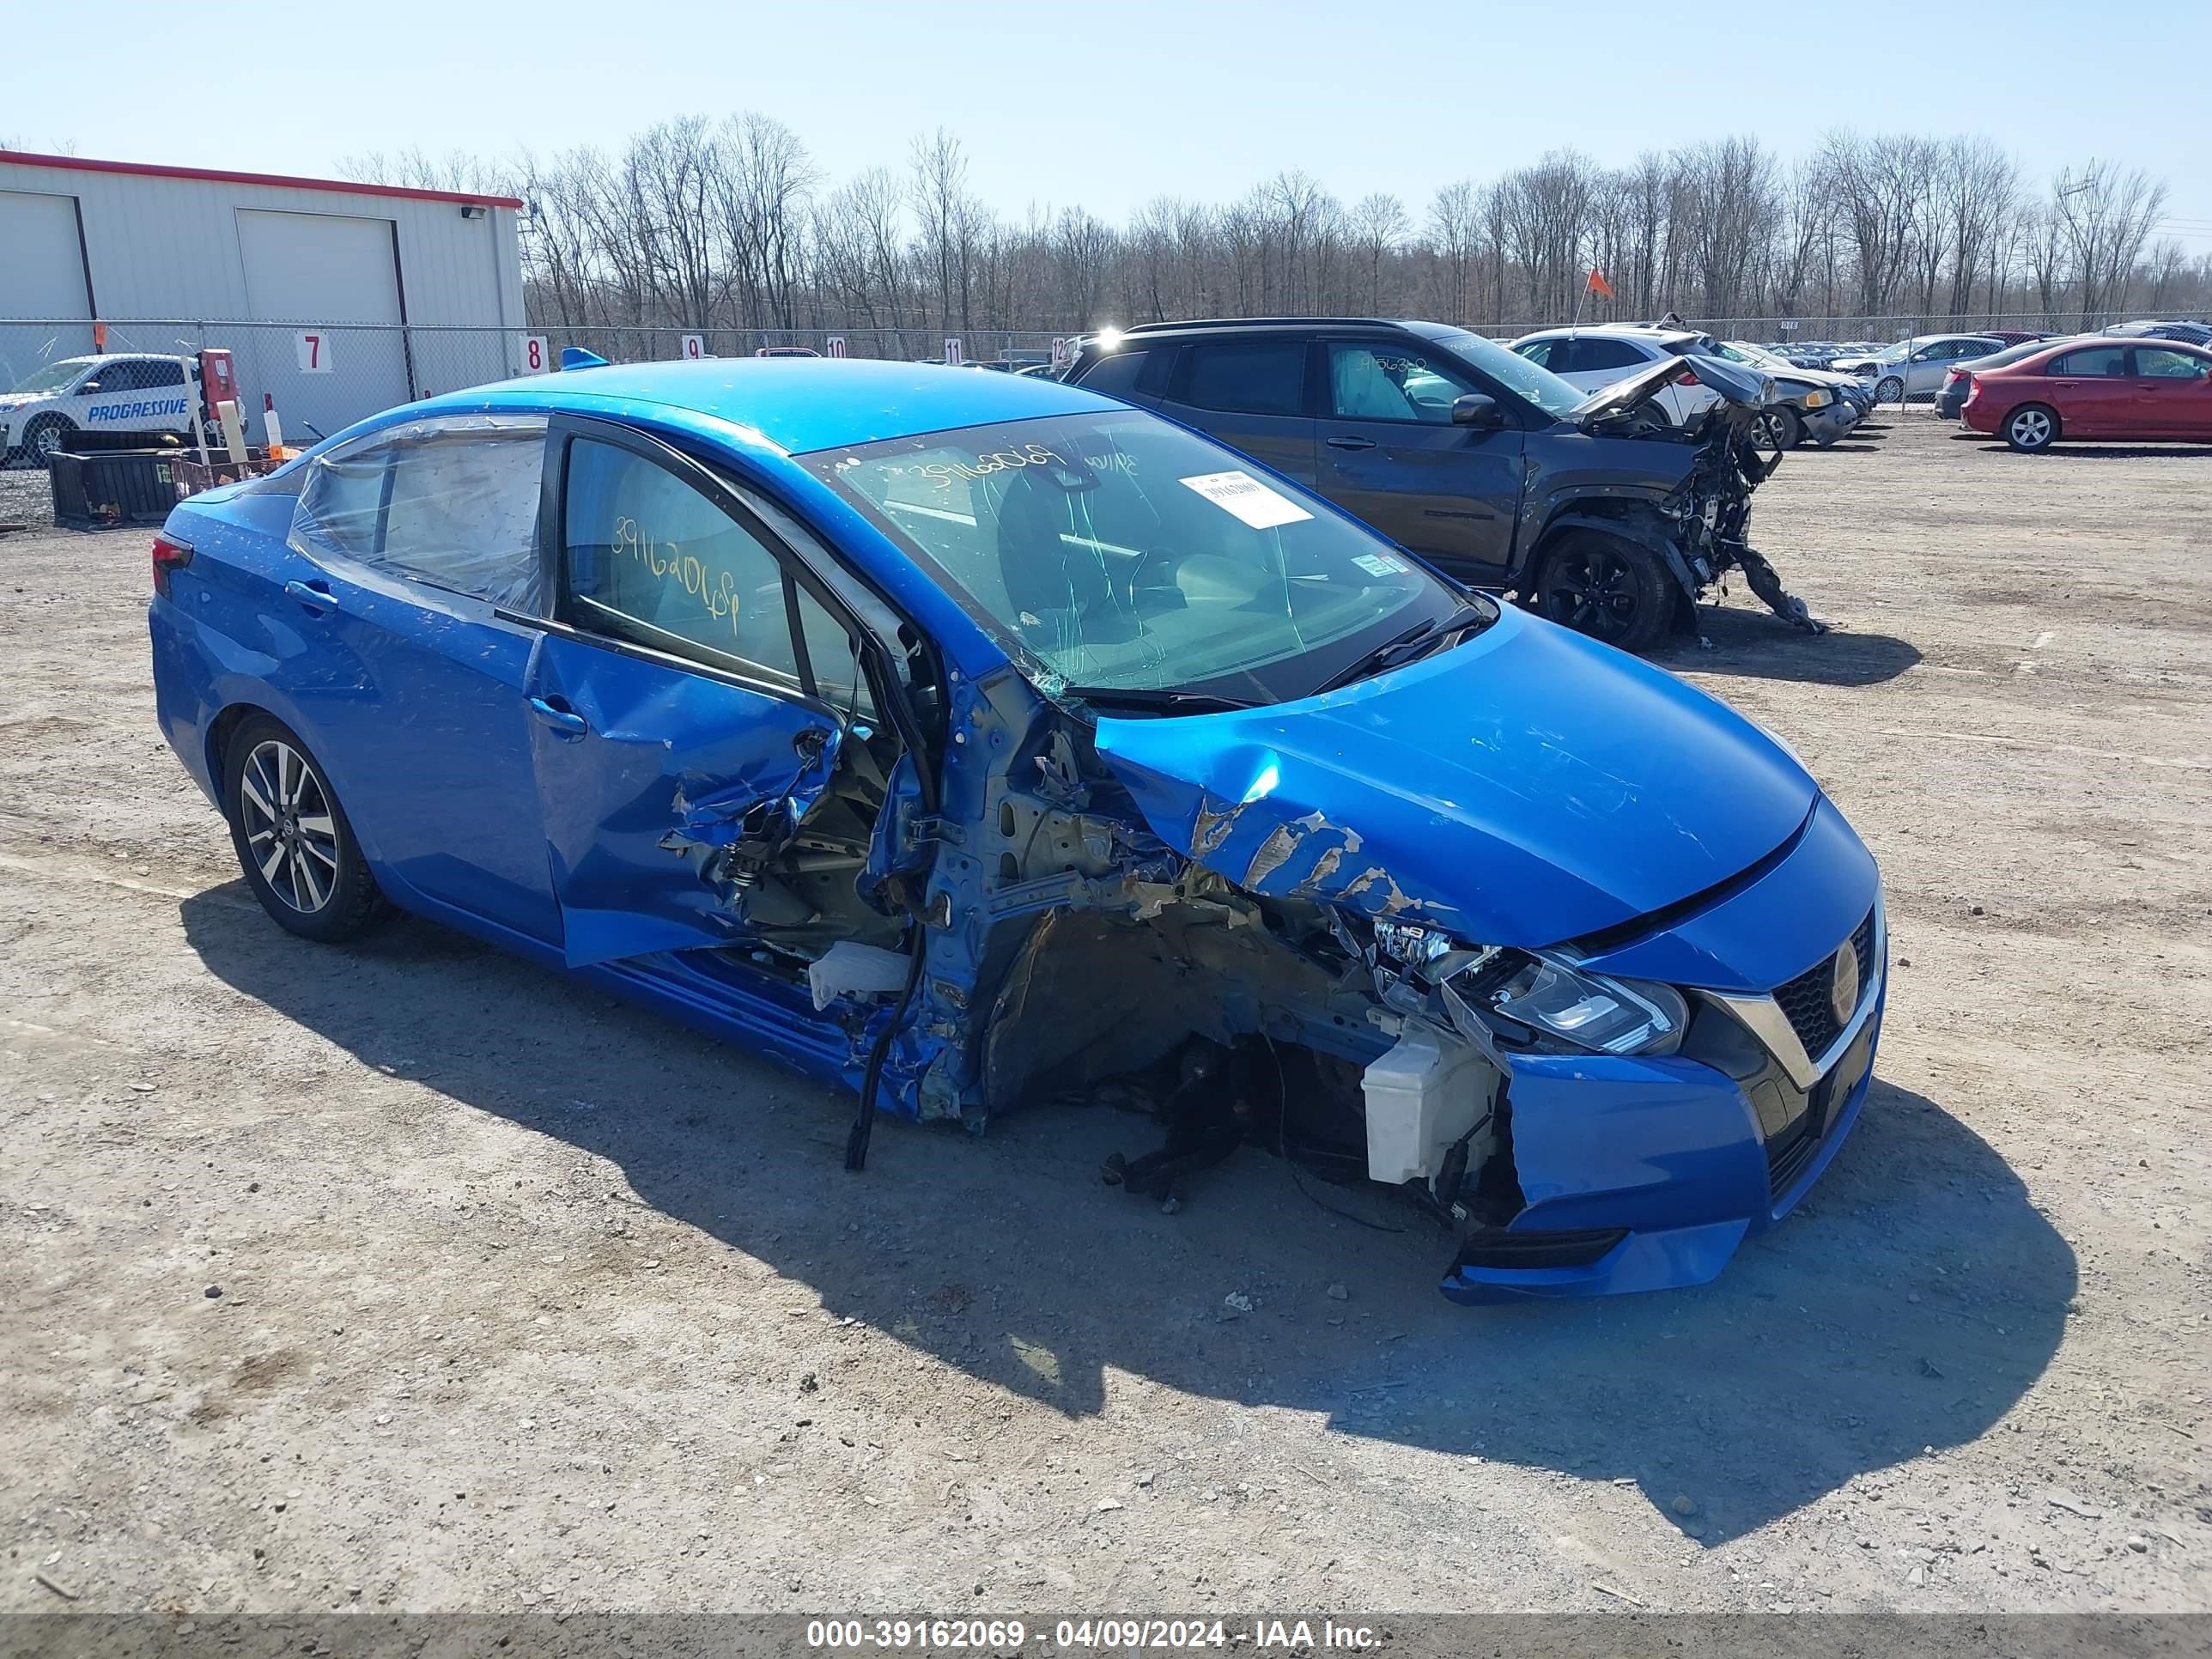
{"x": 1598, "y": 285}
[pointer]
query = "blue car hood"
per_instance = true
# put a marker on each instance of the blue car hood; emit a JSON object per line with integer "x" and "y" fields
{"x": 1525, "y": 788}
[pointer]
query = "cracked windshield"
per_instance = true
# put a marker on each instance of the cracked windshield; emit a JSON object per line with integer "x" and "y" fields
{"x": 1120, "y": 551}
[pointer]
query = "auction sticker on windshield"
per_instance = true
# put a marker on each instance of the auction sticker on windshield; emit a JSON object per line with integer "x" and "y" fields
{"x": 1242, "y": 493}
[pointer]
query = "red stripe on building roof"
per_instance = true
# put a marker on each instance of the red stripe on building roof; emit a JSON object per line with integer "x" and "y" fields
{"x": 283, "y": 181}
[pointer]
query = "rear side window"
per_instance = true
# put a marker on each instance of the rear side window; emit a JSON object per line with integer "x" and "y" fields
{"x": 1591, "y": 355}
{"x": 1597, "y": 356}
{"x": 1246, "y": 377}
{"x": 461, "y": 514}
{"x": 2094, "y": 359}
{"x": 2163, "y": 363}
{"x": 1115, "y": 375}
{"x": 450, "y": 503}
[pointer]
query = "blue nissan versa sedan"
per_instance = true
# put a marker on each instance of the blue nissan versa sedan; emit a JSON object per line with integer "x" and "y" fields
{"x": 974, "y": 739}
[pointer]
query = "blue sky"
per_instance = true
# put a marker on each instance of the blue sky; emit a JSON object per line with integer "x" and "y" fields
{"x": 1112, "y": 104}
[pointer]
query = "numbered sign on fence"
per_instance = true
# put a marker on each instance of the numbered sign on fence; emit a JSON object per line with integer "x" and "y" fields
{"x": 952, "y": 351}
{"x": 695, "y": 346}
{"x": 835, "y": 345}
{"x": 537, "y": 356}
{"x": 313, "y": 346}
{"x": 1063, "y": 351}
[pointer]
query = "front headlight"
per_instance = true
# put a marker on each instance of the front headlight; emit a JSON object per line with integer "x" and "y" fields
{"x": 1592, "y": 1010}
{"x": 1817, "y": 399}
{"x": 1502, "y": 999}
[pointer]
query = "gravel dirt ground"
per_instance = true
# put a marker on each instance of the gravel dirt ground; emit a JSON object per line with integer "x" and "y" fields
{"x": 527, "y": 1299}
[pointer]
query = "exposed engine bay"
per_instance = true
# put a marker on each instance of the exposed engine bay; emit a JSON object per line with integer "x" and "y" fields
{"x": 1703, "y": 524}
{"x": 1321, "y": 1021}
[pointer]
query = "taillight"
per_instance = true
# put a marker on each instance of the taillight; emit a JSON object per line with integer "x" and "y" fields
{"x": 1689, "y": 378}
{"x": 169, "y": 555}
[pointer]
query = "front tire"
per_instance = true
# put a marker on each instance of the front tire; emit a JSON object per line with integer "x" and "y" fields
{"x": 1781, "y": 429}
{"x": 294, "y": 845}
{"x": 2031, "y": 427}
{"x": 45, "y": 438}
{"x": 1890, "y": 390}
{"x": 1607, "y": 587}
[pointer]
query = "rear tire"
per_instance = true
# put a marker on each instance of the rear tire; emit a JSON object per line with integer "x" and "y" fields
{"x": 1609, "y": 587}
{"x": 2031, "y": 427}
{"x": 294, "y": 845}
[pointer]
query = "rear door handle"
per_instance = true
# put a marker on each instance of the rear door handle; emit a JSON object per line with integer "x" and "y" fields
{"x": 1349, "y": 443}
{"x": 561, "y": 718}
{"x": 314, "y": 596}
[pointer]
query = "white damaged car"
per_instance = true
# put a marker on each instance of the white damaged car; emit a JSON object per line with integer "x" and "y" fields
{"x": 120, "y": 392}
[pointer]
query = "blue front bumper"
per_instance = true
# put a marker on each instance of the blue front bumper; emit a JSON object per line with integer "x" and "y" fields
{"x": 1644, "y": 1173}
{"x": 1667, "y": 1153}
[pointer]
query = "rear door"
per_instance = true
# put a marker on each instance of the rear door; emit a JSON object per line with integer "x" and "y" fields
{"x": 1250, "y": 394}
{"x": 407, "y": 619}
{"x": 2172, "y": 392}
{"x": 685, "y": 700}
{"x": 2092, "y": 390}
{"x": 1389, "y": 455}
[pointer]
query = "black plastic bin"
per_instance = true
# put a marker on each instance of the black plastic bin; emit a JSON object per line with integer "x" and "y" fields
{"x": 117, "y": 487}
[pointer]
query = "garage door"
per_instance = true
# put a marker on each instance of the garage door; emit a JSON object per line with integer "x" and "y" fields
{"x": 41, "y": 277}
{"x": 335, "y": 276}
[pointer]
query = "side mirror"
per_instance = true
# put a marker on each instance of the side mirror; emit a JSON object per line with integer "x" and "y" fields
{"x": 1477, "y": 412}
{"x": 87, "y": 388}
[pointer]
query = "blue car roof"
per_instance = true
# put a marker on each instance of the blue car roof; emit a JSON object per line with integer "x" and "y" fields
{"x": 803, "y": 404}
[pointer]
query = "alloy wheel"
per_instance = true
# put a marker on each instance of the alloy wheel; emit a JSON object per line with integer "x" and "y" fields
{"x": 290, "y": 832}
{"x": 2030, "y": 428}
{"x": 1593, "y": 590}
{"x": 1891, "y": 391}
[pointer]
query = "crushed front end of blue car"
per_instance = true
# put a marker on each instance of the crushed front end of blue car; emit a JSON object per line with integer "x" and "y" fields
{"x": 1601, "y": 1020}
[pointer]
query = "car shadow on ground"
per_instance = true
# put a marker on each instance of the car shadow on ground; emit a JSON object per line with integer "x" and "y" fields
{"x": 2096, "y": 452}
{"x": 1911, "y": 1300}
{"x": 1738, "y": 640}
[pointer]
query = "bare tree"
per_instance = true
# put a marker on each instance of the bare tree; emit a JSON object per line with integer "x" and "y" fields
{"x": 693, "y": 224}
{"x": 1976, "y": 193}
{"x": 1455, "y": 234}
{"x": 2107, "y": 216}
{"x": 1378, "y": 228}
{"x": 761, "y": 185}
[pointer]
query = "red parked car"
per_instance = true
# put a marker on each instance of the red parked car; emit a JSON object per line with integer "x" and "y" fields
{"x": 2096, "y": 388}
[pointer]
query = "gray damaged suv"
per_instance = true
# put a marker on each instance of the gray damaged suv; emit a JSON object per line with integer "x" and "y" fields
{"x": 1594, "y": 508}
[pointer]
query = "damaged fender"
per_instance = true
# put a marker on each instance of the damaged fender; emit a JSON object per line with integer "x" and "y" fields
{"x": 658, "y": 785}
{"x": 1643, "y": 534}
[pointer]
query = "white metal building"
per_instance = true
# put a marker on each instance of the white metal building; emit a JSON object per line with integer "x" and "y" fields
{"x": 405, "y": 292}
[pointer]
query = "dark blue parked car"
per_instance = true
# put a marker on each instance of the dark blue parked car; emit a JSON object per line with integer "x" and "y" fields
{"x": 973, "y": 739}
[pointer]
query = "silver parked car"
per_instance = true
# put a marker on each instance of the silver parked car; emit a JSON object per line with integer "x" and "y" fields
{"x": 1915, "y": 368}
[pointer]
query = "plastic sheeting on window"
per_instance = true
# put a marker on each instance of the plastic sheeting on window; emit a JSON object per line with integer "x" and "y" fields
{"x": 451, "y": 502}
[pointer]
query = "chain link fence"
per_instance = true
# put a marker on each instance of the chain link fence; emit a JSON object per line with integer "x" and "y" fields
{"x": 321, "y": 379}
{"x": 1772, "y": 330}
